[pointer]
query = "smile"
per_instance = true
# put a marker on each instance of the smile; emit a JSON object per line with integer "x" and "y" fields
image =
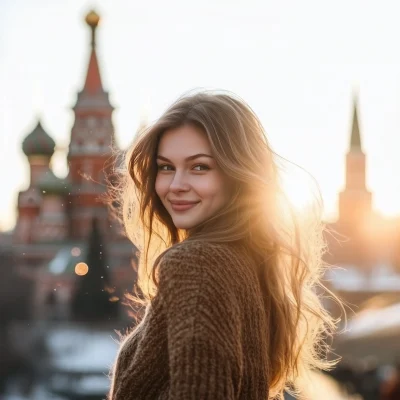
{"x": 183, "y": 207}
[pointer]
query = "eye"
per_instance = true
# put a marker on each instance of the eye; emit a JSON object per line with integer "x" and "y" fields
{"x": 164, "y": 167}
{"x": 201, "y": 167}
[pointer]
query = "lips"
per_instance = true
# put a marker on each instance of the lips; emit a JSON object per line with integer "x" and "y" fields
{"x": 182, "y": 205}
{"x": 182, "y": 202}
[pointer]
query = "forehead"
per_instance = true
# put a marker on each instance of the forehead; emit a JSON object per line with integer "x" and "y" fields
{"x": 183, "y": 141}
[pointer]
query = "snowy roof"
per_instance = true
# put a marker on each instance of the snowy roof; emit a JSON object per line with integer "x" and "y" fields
{"x": 374, "y": 322}
{"x": 81, "y": 350}
{"x": 350, "y": 278}
{"x": 372, "y": 335}
{"x": 83, "y": 385}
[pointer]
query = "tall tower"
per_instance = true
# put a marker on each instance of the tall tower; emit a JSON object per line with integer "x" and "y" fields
{"x": 92, "y": 137}
{"x": 355, "y": 200}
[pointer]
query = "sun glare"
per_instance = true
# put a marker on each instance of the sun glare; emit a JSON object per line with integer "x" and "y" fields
{"x": 300, "y": 189}
{"x": 387, "y": 205}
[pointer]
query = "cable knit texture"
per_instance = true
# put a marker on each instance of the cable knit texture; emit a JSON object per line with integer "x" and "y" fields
{"x": 204, "y": 333}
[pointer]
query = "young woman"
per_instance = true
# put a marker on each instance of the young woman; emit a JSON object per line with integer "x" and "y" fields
{"x": 227, "y": 268}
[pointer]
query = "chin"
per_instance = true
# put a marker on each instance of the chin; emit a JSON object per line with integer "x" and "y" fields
{"x": 185, "y": 224}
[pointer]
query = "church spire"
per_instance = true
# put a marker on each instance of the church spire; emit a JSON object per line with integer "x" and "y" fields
{"x": 93, "y": 83}
{"x": 355, "y": 201}
{"x": 355, "y": 141}
{"x": 93, "y": 98}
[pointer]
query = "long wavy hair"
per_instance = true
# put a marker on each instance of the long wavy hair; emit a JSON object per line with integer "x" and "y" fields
{"x": 286, "y": 245}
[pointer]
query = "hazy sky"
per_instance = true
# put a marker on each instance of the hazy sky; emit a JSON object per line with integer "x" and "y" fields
{"x": 297, "y": 63}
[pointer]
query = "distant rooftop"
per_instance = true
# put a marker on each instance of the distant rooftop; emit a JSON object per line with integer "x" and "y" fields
{"x": 352, "y": 279}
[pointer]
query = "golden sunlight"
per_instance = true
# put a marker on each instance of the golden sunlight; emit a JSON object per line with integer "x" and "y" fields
{"x": 300, "y": 188}
{"x": 387, "y": 205}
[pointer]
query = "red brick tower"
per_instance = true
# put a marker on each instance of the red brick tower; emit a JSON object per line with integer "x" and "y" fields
{"x": 92, "y": 137}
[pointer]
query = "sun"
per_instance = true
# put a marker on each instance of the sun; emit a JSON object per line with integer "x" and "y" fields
{"x": 387, "y": 204}
{"x": 300, "y": 188}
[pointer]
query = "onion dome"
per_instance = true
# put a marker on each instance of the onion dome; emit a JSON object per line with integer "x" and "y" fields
{"x": 48, "y": 183}
{"x": 38, "y": 142}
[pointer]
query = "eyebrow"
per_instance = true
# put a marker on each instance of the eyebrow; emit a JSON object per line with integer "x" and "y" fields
{"x": 187, "y": 158}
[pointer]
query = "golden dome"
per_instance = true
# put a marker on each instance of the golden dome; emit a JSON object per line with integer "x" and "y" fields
{"x": 92, "y": 19}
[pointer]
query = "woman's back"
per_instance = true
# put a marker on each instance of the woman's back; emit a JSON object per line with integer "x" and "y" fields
{"x": 204, "y": 334}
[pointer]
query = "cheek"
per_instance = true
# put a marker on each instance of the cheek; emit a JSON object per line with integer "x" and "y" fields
{"x": 160, "y": 187}
{"x": 224, "y": 190}
{"x": 215, "y": 188}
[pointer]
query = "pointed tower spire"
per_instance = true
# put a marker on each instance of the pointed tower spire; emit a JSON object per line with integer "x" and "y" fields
{"x": 355, "y": 201}
{"x": 355, "y": 141}
{"x": 93, "y": 96}
{"x": 93, "y": 83}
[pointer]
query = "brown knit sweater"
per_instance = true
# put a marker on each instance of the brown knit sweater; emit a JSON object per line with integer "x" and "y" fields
{"x": 204, "y": 333}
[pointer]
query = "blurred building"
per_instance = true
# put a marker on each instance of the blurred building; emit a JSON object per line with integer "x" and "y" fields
{"x": 363, "y": 246}
{"x": 55, "y": 218}
{"x": 55, "y": 215}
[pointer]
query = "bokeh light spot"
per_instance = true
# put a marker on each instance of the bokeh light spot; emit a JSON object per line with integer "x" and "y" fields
{"x": 76, "y": 251}
{"x": 81, "y": 268}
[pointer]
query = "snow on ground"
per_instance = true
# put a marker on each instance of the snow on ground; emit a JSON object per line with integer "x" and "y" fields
{"x": 81, "y": 349}
{"x": 39, "y": 392}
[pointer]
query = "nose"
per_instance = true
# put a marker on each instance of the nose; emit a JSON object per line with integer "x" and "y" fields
{"x": 179, "y": 183}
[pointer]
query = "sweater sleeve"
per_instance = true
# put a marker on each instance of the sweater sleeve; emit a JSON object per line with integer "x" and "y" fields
{"x": 203, "y": 324}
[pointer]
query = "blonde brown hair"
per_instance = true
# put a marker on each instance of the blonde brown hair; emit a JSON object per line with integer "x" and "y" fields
{"x": 287, "y": 246}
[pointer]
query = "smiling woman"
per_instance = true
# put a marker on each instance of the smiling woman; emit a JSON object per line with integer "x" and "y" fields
{"x": 229, "y": 260}
{"x": 189, "y": 183}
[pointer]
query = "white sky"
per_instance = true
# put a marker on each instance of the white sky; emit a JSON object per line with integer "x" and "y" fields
{"x": 295, "y": 62}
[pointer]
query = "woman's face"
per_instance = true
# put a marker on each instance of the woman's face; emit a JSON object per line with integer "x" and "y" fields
{"x": 189, "y": 182}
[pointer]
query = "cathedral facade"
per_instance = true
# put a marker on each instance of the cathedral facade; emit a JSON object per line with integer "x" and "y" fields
{"x": 55, "y": 215}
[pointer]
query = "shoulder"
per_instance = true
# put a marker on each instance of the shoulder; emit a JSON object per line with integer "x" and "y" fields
{"x": 195, "y": 260}
{"x": 201, "y": 254}
{"x": 200, "y": 273}
{"x": 196, "y": 247}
